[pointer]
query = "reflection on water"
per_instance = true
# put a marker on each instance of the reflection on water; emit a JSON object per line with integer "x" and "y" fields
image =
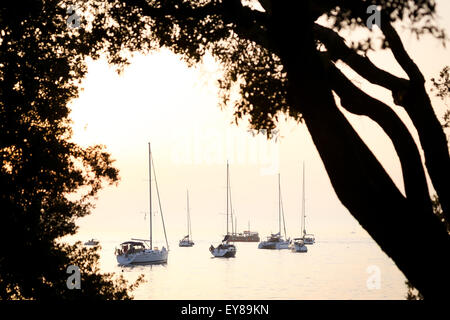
{"x": 141, "y": 264}
{"x": 331, "y": 269}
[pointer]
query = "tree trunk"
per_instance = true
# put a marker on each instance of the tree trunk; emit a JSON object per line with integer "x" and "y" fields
{"x": 356, "y": 101}
{"x": 401, "y": 230}
{"x": 433, "y": 140}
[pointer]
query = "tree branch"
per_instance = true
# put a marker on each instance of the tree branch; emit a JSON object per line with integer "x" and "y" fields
{"x": 358, "y": 102}
{"x": 409, "y": 94}
{"x": 337, "y": 49}
{"x": 397, "y": 48}
{"x": 247, "y": 23}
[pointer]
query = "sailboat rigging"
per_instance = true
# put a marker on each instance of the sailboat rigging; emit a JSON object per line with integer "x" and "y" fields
{"x": 298, "y": 244}
{"x": 141, "y": 251}
{"x": 245, "y": 236}
{"x": 187, "y": 240}
{"x": 276, "y": 241}
{"x": 225, "y": 249}
{"x": 308, "y": 238}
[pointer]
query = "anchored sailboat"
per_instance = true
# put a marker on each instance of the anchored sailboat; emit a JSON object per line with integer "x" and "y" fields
{"x": 140, "y": 251}
{"x": 245, "y": 236}
{"x": 298, "y": 245}
{"x": 187, "y": 240}
{"x": 276, "y": 241}
{"x": 92, "y": 242}
{"x": 225, "y": 249}
{"x": 308, "y": 238}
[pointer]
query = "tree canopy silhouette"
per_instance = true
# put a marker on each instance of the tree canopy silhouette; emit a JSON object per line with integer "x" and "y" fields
{"x": 282, "y": 59}
{"x": 46, "y": 181}
{"x": 285, "y": 61}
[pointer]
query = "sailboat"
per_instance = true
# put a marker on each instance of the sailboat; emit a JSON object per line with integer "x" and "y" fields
{"x": 140, "y": 251}
{"x": 298, "y": 244}
{"x": 225, "y": 249}
{"x": 187, "y": 240}
{"x": 276, "y": 241}
{"x": 308, "y": 238}
{"x": 245, "y": 236}
{"x": 92, "y": 242}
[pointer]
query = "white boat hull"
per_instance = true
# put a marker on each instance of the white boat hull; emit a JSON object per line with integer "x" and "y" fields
{"x": 143, "y": 257}
{"x": 273, "y": 245}
{"x": 296, "y": 247}
{"x": 266, "y": 245}
{"x": 224, "y": 252}
{"x": 282, "y": 245}
{"x": 186, "y": 243}
{"x": 309, "y": 241}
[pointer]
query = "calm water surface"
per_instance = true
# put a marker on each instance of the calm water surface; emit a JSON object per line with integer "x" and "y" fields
{"x": 331, "y": 269}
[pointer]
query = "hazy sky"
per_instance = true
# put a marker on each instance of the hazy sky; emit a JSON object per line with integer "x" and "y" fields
{"x": 158, "y": 99}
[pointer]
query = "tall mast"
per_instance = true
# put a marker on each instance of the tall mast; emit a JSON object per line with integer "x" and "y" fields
{"x": 233, "y": 227}
{"x": 159, "y": 203}
{"x": 190, "y": 227}
{"x": 279, "y": 205}
{"x": 150, "y": 187}
{"x": 227, "y": 197}
{"x": 284, "y": 221}
{"x": 303, "y": 202}
{"x": 188, "y": 218}
{"x": 231, "y": 209}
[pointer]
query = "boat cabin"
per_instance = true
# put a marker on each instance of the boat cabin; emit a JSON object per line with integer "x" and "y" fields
{"x": 185, "y": 239}
{"x": 130, "y": 247}
{"x": 92, "y": 242}
{"x": 309, "y": 237}
{"x": 274, "y": 237}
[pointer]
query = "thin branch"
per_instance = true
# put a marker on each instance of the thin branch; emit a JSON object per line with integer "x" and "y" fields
{"x": 397, "y": 48}
{"x": 358, "y": 102}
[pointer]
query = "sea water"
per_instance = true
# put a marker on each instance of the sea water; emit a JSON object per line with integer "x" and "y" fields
{"x": 340, "y": 268}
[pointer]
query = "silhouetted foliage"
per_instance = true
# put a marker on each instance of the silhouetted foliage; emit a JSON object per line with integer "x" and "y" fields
{"x": 412, "y": 293}
{"x": 46, "y": 181}
{"x": 284, "y": 61}
{"x": 437, "y": 209}
{"x": 442, "y": 86}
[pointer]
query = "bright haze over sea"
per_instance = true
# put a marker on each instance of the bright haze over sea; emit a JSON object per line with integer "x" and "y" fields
{"x": 158, "y": 99}
{"x": 333, "y": 268}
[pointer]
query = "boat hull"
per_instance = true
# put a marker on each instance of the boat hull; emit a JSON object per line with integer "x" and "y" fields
{"x": 144, "y": 257}
{"x": 267, "y": 245}
{"x": 273, "y": 245}
{"x": 229, "y": 252}
{"x": 185, "y": 244}
{"x": 90, "y": 243}
{"x": 244, "y": 238}
{"x": 296, "y": 247}
{"x": 282, "y": 245}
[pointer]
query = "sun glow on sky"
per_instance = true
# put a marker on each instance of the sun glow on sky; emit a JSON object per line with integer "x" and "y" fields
{"x": 158, "y": 99}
